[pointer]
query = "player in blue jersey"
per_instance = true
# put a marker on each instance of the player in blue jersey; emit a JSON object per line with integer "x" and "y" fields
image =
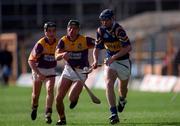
{"x": 112, "y": 37}
{"x": 73, "y": 48}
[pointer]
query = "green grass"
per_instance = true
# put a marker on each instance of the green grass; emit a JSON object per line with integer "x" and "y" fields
{"x": 143, "y": 109}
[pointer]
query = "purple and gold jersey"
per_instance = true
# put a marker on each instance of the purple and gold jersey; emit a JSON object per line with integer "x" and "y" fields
{"x": 78, "y": 50}
{"x": 112, "y": 40}
{"x": 43, "y": 53}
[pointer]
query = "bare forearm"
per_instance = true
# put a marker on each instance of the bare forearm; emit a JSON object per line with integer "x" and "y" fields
{"x": 33, "y": 66}
{"x": 59, "y": 54}
{"x": 95, "y": 54}
{"x": 122, "y": 52}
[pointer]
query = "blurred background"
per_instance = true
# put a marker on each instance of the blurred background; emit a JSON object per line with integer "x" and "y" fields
{"x": 153, "y": 27}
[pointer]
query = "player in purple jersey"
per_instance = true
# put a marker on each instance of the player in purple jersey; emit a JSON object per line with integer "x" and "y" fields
{"x": 112, "y": 37}
{"x": 73, "y": 48}
{"x": 42, "y": 62}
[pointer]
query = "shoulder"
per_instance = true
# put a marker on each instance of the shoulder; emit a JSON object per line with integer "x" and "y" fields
{"x": 63, "y": 39}
{"x": 100, "y": 30}
{"x": 82, "y": 38}
{"x": 41, "y": 40}
{"x": 119, "y": 30}
{"x": 41, "y": 43}
{"x": 118, "y": 27}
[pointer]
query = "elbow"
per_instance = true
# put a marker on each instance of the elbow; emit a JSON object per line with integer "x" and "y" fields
{"x": 58, "y": 57}
{"x": 31, "y": 63}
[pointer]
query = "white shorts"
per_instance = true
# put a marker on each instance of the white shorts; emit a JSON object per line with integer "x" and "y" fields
{"x": 122, "y": 67}
{"x": 69, "y": 73}
{"x": 44, "y": 71}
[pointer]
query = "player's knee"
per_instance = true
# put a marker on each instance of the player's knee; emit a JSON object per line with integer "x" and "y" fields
{"x": 50, "y": 91}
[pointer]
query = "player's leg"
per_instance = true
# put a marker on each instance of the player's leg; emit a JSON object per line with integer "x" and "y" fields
{"x": 50, "y": 82}
{"x": 122, "y": 90}
{"x": 62, "y": 89}
{"x": 124, "y": 71}
{"x": 74, "y": 93}
{"x": 110, "y": 78}
{"x": 36, "y": 89}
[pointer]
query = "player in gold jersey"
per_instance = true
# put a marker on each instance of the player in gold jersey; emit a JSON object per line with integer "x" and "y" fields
{"x": 73, "y": 48}
{"x": 42, "y": 62}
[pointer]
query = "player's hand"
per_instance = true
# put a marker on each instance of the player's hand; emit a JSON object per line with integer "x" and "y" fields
{"x": 94, "y": 65}
{"x": 108, "y": 61}
{"x": 41, "y": 77}
{"x": 66, "y": 56}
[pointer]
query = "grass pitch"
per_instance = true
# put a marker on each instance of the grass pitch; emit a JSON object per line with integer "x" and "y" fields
{"x": 143, "y": 109}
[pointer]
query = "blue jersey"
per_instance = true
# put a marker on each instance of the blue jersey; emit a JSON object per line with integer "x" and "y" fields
{"x": 112, "y": 40}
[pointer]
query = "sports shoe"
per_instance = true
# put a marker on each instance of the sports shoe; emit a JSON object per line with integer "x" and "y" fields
{"x": 121, "y": 105}
{"x": 48, "y": 120}
{"x": 114, "y": 119}
{"x": 34, "y": 114}
{"x": 73, "y": 104}
{"x": 61, "y": 122}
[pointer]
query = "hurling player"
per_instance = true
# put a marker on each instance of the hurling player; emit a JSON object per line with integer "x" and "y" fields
{"x": 73, "y": 48}
{"x": 42, "y": 62}
{"x": 112, "y": 37}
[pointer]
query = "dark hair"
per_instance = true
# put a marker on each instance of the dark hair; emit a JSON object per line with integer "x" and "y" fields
{"x": 106, "y": 14}
{"x": 48, "y": 25}
{"x": 74, "y": 22}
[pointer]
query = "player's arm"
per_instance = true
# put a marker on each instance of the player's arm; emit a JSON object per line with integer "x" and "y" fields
{"x": 33, "y": 59}
{"x": 33, "y": 66}
{"x": 90, "y": 42}
{"x": 60, "y": 53}
{"x": 126, "y": 46}
{"x": 122, "y": 52}
{"x": 98, "y": 46}
{"x": 95, "y": 57}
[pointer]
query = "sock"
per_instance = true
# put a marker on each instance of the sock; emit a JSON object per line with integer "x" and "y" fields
{"x": 113, "y": 110}
{"x": 34, "y": 107}
{"x": 63, "y": 118}
{"x": 121, "y": 98}
{"x": 48, "y": 112}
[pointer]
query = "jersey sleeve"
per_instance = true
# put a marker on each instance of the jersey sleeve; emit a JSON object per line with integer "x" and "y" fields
{"x": 90, "y": 42}
{"x": 60, "y": 44}
{"x": 36, "y": 52}
{"x": 99, "y": 39}
{"x": 122, "y": 36}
